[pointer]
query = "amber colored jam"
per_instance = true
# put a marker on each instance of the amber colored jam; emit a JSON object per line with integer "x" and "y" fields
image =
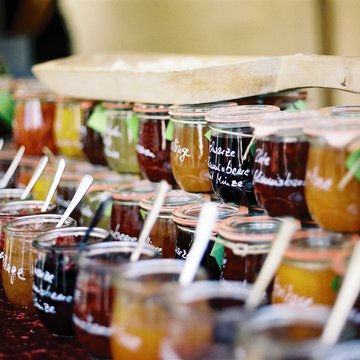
{"x": 230, "y": 172}
{"x": 332, "y": 208}
{"x": 279, "y": 177}
{"x": 189, "y": 156}
{"x": 153, "y": 151}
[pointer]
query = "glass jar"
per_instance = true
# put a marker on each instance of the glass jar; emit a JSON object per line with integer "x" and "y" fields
{"x": 91, "y": 140}
{"x": 126, "y": 219}
{"x": 8, "y": 195}
{"x": 230, "y": 159}
{"x": 99, "y": 266}
{"x": 68, "y": 120}
{"x": 55, "y": 274}
{"x": 281, "y": 151}
{"x": 121, "y": 137}
{"x": 153, "y": 149}
{"x": 332, "y": 192}
{"x": 164, "y": 232}
{"x": 186, "y": 218}
{"x": 305, "y": 276}
{"x": 189, "y": 147}
{"x": 19, "y": 256}
{"x": 33, "y": 123}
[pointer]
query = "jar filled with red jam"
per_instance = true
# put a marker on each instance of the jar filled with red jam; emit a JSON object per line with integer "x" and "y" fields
{"x": 153, "y": 149}
{"x": 126, "y": 219}
{"x": 280, "y": 157}
{"x": 121, "y": 137}
{"x": 231, "y": 158}
{"x": 305, "y": 276}
{"x": 332, "y": 189}
{"x": 190, "y": 147}
{"x": 186, "y": 218}
{"x": 164, "y": 232}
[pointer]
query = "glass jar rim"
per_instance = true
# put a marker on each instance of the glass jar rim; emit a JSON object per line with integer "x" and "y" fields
{"x": 121, "y": 105}
{"x": 151, "y": 108}
{"x": 198, "y": 110}
{"x": 133, "y": 192}
{"x": 12, "y": 192}
{"x": 12, "y": 208}
{"x": 341, "y": 110}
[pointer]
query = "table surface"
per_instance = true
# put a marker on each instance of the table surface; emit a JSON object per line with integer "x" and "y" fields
{"x": 23, "y": 337}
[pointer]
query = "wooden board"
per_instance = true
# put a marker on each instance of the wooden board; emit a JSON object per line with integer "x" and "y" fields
{"x": 187, "y": 79}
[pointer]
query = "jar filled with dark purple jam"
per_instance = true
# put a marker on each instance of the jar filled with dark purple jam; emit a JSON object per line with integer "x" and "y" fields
{"x": 126, "y": 219}
{"x": 164, "y": 232}
{"x": 153, "y": 150}
{"x": 186, "y": 218}
{"x": 231, "y": 157}
{"x": 280, "y": 157}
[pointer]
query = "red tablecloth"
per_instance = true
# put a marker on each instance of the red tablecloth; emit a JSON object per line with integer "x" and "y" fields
{"x": 22, "y": 337}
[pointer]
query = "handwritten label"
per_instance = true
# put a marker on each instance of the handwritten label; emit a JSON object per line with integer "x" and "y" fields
{"x": 143, "y": 151}
{"x": 317, "y": 181}
{"x": 12, "y": 270}
{"x": 180, "y": 252}
{"x": 111, "y": 133}
{"x": 53, "y": 295}
{"x": 121, "y": 236}
{"x": 91, "y": 327}
{"x": 44, "y": 306}
{"x": 86, "y": 211}
{"x": 262, "y": 157}
{"x": 287, "y": 295}
{"x": 261, "y": 178}
{"x": 44, "y": 275}
{"x": 181, "y": 152}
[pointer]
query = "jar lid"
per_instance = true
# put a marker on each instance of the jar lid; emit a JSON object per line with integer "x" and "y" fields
{"x": 315, "y": 245}
{"x": 249, "y": 229}
{"x": 238, "y": 115}
{"x": 188, "y": 215}
{"x": 134, "y": 192}
{"x": 269, "y": 124}
{"x": 151, "y": 108}
{"x": 341, "y": 110}
{"x": 87, "y": 104}
{"x": 173, "y": 199}
{"x": 124, "y": 105}
{"x": 338, "y": 131}
{"x": 198, "y": 110}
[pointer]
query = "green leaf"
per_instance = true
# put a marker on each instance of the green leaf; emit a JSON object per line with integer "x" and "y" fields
{"x": 6, "y": 107}
{"x": 143, "y": 214}
{"x": 299, "y": 105}
{"x": 98, "y": 120}
{"x": 169, "y": 133}
{"x": 354, "y": 160}
{"x": 218, "y": 253}
{"x": 208, "y": 134}
{"x": 132, "y": 123}
{"x": 336, "y": 283}
{"x": 252, "y": 149}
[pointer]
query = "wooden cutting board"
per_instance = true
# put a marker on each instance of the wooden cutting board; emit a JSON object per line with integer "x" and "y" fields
{"x": 187, "y": 79}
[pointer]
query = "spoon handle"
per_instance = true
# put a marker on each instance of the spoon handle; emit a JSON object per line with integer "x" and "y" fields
{"x": 80, "y": 192}
{"x": 11, "y": 170}
{"x": 1, "y": 143}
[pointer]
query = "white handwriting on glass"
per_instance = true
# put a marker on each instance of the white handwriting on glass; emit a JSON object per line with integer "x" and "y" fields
{"x": 181, "y": 152}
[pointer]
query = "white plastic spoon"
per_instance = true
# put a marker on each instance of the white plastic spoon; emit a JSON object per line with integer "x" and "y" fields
{"x": 37, "y": 173}
{"x": 11, "y": 170}
{"x": 84, "y": 186}
{"x": 1, "y": 143}
{"x": 203, "y": 232}
{"x": 54, "y": 184}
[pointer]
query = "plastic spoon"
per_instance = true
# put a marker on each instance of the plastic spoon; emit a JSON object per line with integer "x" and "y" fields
{"x": 11, "y": 170}
{"x": 150, "y": 219}
{"x": 54, "y": 184}
{"x": 287, "y": 229}
{"x": 84, "y": 186}
{"x": 345, "y": 300}
{"x": 1, "y": 143}
{"x": 203, "y": 232}
{"x": 37, "y": 173}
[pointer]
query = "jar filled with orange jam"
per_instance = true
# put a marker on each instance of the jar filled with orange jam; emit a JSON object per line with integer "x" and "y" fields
{"x": 190, "y": 147}
{"x": 332, "y": 189}
{"x": 305, "y": 276}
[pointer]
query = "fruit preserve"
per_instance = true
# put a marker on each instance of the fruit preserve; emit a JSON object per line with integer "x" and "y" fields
{"x": 332, "y": 189}
{"x": 280, "y": 156}
{"x": 153, "y": 149}
{"x": 231, "y": 158}
{"x": 190, "y": 147}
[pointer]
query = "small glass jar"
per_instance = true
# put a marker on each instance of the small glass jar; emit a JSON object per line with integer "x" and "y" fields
{"x": 153, "y": 149}
{"x": 19, "y": 256}
{"x": 230, "y": 159}
{"x": 55, "y": 274}
{"x": 33, "y": 122}
{"x": 121, "y": 137}
{"x": 164, "y": 232}
{"x": 186, "y": 218}
{"x": 68, "y": 120}
{"x": 332, "y": 196}
{"x": 280, "y": 155}
{"x": 305, "y": 276}
{"x": 99, "y": 266}
{"x": 189, "y": 147}
{"x": 91, "y": 140}
{"x": 126, "y": 219}
{"x": 8, "y": 195}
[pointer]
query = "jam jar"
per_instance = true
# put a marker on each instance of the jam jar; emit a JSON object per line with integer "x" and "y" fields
{"x": 68, "y": 121}
{"x": 305, "y": 276}
{"x": 153, "y": 149}
{"x": 164, "y": 232}
{"x": 91, "y": 140}
{"x": 280, "y": 155}
{"x": 34, "y": 121}
{"x": 186, "y": 218}
{"x": 230, "y": 161}
{"x": 126, "y": 219}
{"x": 121, "y": 137}
{"x": 190, "y": 147}
{"x": 332, "y": 189}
